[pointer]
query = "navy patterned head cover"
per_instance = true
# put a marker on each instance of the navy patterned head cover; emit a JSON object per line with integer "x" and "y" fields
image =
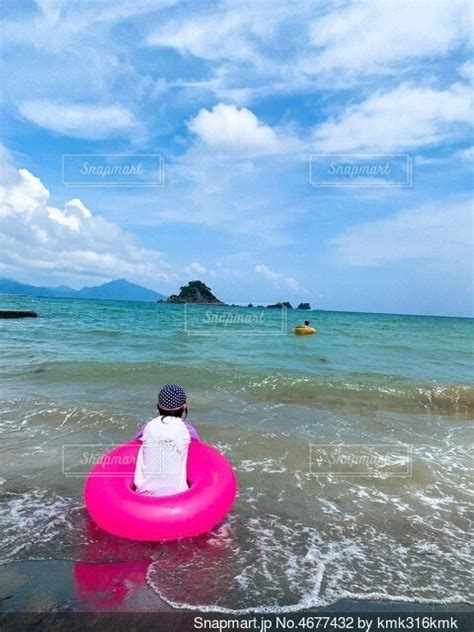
{"x": 171, "y": 397}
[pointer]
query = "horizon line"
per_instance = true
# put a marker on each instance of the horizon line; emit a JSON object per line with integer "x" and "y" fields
{"x": 240, "y": 305}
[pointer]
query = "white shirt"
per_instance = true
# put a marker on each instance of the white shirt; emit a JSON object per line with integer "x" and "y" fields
{"x": 162, "y": 457}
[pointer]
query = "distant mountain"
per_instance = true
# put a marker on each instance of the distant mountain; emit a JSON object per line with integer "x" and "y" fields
{"x": 118, "y": 290}
{"x": 9, "y": 286}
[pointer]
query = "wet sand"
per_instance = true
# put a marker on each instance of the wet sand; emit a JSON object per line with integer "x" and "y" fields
{"x": 52, "y": 586}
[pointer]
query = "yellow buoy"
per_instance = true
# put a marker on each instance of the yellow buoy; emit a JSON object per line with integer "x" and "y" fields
{"x": 304, "y": 330}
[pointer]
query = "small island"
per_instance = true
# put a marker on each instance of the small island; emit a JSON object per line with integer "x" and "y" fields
{"x": 284, "y": 304}
{"x": 194, "y": 292}
{"x": 199, "y": 292}
{"x": 288, "y": 305}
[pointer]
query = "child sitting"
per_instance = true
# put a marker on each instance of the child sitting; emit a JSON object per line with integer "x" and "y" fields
{"x": 162, "y": 458}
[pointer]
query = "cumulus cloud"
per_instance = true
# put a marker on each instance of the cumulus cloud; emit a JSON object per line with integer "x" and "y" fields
{"x": 71, "y": 242}
{"x": 403, "y": 118}
{"x": 82, "y": 121}
{"x": 434, "y": 232}
{"x": 227, "y": 126}
{"x": 279, "y": 280}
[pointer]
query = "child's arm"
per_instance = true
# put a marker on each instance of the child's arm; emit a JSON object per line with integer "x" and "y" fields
{"x": 192, "y": 431}
{"x": 139, "y": 433}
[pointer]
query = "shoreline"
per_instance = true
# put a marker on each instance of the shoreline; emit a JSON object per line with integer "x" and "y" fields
{"x": 38, "y": 587}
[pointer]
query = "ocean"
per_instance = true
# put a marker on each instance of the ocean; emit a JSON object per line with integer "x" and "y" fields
{"x": 353, "y": 450}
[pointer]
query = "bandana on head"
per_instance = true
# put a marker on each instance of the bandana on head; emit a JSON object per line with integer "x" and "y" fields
{"x": 171, "y": 397}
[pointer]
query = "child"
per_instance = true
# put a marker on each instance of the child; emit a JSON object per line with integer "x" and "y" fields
{"x": 162, "y": 458}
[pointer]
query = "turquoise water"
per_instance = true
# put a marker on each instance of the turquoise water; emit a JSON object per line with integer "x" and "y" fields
{"x": 89, "y": 371}
{"x": 416, "y": 358}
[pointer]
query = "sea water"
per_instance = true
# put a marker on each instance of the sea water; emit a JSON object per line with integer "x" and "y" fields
{"x": 353, "y": 448}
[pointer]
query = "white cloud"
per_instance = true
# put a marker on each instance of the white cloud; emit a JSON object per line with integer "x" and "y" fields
{"x": 227, "y": 126}
{"x": 403, "y": 118}
{"x": 72, "y": 216}
{"x": 279, "y": 280}
{"x": 195, "y": 266}
{"x": 321, "y": 38}
{"x": 23, "y": 194}
{"x": 237, "y": 33}
{"x": 60, "y": 22}
{"x": 467, "y": 71}
{"x": 37, "y": 238}
{"x": 373, "y": 36}
{"x": 442, "y": 232}
{"x": 466, "y": 154}
{"x": 259, "y": 49}
{"x": 81, "y": 121}
{"x": 214, "y": 37}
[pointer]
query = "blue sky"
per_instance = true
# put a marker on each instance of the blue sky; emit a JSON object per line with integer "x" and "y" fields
{"x": 236, "y": 96}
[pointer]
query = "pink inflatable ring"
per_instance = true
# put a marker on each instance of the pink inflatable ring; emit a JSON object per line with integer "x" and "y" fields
{"x": 116, "y": 507}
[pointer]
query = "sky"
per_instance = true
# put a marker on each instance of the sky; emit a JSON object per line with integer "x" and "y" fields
{"x": 235, "y": 96}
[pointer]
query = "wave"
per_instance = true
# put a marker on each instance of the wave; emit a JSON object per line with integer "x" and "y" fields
{"x": 362, "y": 391}
{"x": 283, "y": 548}
{"x": 39, "y": 524}
{"x": 35, "y": 521}
{"x": 402, "y": 395}
{"x": 263, "y": 564}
